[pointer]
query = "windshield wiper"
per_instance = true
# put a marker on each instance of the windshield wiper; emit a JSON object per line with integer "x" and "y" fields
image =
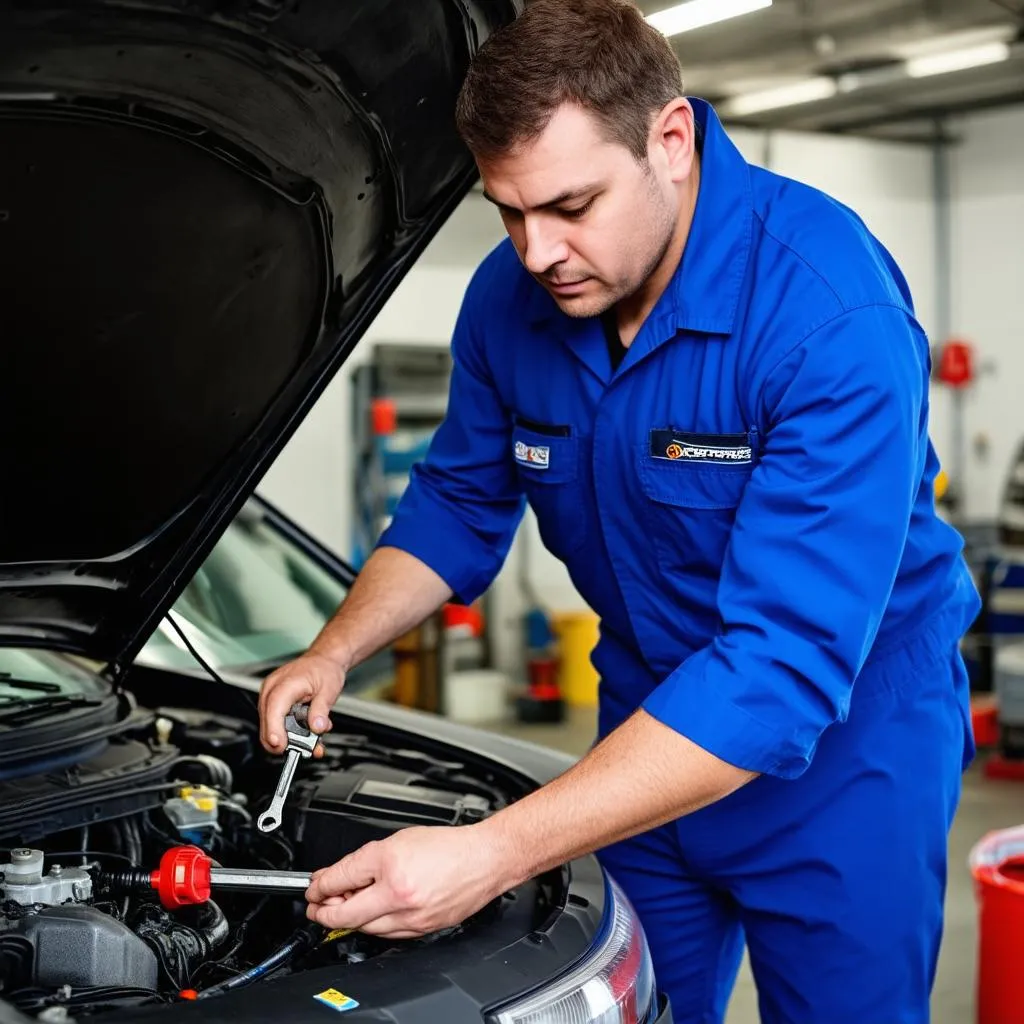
{"x": 43, "y": 707}
{"x": 29, "y": 684}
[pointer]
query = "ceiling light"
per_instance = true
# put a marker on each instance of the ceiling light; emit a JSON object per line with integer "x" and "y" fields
{"x": 698, "y": 13}
{"x": 949, "y": 41}
{"x": 957, "y": 60}
{"x": 806, "y": 91}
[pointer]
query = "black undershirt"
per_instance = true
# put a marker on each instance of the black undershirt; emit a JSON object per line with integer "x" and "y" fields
{"x": 616, "y": 350}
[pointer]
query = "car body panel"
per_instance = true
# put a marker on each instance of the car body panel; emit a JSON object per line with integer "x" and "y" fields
{"x": 245, "y": 185}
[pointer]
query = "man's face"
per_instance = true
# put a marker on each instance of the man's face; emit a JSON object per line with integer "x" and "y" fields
{"x": 589, "y": 222}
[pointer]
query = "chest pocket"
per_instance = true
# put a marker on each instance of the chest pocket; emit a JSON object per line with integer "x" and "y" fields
{"x": 693, "y": 484}
{"x": 548, "y": 462}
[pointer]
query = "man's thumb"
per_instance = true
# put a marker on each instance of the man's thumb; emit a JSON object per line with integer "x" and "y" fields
{"x": 319, "y": 710}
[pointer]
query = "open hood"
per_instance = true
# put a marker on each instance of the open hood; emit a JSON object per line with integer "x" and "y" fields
{"x": 202, "y": 206}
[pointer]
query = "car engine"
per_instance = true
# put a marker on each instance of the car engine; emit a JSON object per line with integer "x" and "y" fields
{"x": 79, "y": 931}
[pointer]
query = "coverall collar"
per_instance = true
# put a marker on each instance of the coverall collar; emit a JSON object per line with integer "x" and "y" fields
{"x": 703, "y": 294}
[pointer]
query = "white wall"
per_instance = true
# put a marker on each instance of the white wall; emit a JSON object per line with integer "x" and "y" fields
{"x": 988, "y": 294}
{"x": 311, "y": 479}
{"x": 890, "y": 185}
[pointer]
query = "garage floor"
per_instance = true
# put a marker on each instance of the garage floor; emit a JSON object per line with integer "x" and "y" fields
{"x": 985, "y": 805}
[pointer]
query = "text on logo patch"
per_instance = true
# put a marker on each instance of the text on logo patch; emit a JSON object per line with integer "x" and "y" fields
{"x": 677, "y": 446}
{"x": 536, "y": 455}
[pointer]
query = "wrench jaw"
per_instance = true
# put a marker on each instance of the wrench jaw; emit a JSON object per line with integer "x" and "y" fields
{"x": 301, "y": 744}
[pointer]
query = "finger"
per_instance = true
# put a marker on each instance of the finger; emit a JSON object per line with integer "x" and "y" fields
{"x": 392, "y": 926}
{"x": 320, "y": 712}
{"x": 355, "y": 871}
{"x": 279, "y": 703}
{"x": 368, "y": 905}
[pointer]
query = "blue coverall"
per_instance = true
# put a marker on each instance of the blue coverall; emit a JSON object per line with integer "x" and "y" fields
{"x": 747, "y": 504}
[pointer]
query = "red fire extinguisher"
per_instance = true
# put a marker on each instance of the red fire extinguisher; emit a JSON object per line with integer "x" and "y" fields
{"x": 956, "y": 364}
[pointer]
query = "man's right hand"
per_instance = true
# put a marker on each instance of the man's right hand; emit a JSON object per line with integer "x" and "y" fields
{"x": 313, "y": 679}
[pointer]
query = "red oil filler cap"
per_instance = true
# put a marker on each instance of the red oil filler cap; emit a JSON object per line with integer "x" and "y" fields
{"x": 183, "y": 877}
{"x": 997, "y": 866}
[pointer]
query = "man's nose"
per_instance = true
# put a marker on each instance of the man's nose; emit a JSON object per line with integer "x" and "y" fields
{"x": 545, "y": 245}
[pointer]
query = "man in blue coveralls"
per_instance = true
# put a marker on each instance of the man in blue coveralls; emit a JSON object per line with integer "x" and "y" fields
{"x": 709, "y": 383}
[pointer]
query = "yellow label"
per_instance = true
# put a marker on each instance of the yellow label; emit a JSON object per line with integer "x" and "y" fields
{"x": 337, "y": 1000}
{"x": 337, "y": 933}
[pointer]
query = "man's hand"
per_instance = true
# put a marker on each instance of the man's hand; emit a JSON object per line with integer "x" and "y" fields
{"x": 417, "y": 881}
{"x": 313, "y": 679}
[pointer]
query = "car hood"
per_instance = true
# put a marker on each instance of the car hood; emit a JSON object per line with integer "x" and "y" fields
{"x": 202, "y": 207}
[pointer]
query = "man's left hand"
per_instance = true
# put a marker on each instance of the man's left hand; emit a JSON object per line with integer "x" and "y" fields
{"x": 417, "y": 881}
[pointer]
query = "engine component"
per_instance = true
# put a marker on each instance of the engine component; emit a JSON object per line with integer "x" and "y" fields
{"x": 305, "y": 938}
{"x": 194, "y": 813}
{"x": 25, "y": 884}
{"x": 346, "y": 809}
{"x": 182, "y": 944}
{"x": 81, "y": 946}
{"x": 227, "y": 741}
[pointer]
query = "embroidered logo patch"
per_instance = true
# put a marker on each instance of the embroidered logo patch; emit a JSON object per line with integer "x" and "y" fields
{"x": 536, "y": 455}
{"x": 724, "y": 449}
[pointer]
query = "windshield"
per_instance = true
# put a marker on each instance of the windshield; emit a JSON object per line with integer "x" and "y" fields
{"x": 257, "y": 598}
{"x": 34, "y": 675}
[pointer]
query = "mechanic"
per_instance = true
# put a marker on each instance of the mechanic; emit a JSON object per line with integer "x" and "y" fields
{"x": 709, "y": 383}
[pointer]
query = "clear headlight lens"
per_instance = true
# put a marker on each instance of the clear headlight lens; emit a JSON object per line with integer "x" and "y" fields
{"x": 613, "y": 984}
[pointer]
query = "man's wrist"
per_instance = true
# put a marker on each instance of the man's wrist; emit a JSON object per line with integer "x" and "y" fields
{"x": 507, "y": 851}
{"x": 338, "y": 654}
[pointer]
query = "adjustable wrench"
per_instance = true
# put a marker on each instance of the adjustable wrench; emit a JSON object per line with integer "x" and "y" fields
{"x": 302, "y": 742}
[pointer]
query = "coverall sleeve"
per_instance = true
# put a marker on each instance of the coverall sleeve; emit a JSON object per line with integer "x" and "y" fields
{"x": 816, "y": 545}
{"x": 463, "y": 503}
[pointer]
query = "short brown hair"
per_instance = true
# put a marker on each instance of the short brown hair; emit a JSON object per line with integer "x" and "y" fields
{"x": 599, "y": 54}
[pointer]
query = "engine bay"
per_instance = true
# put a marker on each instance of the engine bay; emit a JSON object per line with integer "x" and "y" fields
{"x": 80, "y": 929}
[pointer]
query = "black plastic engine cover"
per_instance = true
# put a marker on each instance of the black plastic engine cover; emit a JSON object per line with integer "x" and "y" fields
{"x": 347, "y": 809}
{"x": 83, "y": 947}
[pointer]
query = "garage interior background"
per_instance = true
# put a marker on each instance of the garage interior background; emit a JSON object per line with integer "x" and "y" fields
{"x": 934, "y": 164}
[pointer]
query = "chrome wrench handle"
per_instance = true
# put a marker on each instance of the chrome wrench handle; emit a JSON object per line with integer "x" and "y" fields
{"x": 301, "y": 744}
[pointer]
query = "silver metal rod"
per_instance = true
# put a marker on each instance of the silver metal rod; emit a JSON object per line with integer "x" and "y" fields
{"x": 260, "y": 880}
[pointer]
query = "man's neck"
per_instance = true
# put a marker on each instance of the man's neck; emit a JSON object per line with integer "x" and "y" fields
{"x": 632, "y": 311}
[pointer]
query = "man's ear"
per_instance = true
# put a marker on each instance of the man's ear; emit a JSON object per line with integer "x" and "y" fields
{"x": 674, "y": 134}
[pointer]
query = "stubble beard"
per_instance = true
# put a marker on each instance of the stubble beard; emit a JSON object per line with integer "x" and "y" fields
{"x": 584, "y": 307}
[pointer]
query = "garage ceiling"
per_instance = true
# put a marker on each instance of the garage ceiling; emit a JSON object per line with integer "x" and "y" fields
{"x": 859, "y": 48}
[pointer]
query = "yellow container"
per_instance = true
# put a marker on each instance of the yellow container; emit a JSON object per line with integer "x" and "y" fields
{"x": 577, "y": 634}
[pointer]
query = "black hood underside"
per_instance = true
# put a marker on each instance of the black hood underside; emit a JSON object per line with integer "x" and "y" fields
{"x": 202, "y": 207}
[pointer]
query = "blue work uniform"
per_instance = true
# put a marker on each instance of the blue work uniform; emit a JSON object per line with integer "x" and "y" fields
{"x": 746, "y": 501}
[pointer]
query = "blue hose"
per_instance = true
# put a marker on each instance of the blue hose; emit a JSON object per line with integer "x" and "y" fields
{"x": 303, "y": 939}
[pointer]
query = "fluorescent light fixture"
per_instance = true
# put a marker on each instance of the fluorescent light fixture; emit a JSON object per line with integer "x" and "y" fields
{"x": 957, "y": 60}
{"x": 948, "y": 41}
{"x": 698, "y": 13}
{"x": 806, "y": 91}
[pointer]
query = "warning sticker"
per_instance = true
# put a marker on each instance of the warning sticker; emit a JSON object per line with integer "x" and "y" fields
{"x": 336, "y": 1000}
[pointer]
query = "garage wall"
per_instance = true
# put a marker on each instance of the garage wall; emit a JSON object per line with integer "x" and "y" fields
{"x": 987, "y": 172}
{"x": 889, "y": 185}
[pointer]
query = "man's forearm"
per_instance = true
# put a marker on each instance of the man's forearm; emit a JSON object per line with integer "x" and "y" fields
{"x": 394, "y": 592}
{"x": 642, "y": 775}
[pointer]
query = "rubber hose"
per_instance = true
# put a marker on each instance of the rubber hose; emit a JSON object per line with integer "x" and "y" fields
{"x": 305, "y": 938}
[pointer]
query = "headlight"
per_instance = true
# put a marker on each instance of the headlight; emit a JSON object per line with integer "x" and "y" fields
{"x": 613, "y": 984}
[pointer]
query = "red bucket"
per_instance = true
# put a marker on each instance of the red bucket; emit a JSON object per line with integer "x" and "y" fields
{"x": 997, "y": 865}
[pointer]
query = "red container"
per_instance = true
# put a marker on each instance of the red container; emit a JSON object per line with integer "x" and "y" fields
{"x": 997, "y": 865}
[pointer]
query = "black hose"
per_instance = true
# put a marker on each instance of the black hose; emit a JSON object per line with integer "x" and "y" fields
{"x": 182, "y": 941}
{"x": 304, "y": 939}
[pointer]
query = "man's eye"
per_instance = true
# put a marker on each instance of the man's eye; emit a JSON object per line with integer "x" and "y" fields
{"x": 579, "y": 212}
